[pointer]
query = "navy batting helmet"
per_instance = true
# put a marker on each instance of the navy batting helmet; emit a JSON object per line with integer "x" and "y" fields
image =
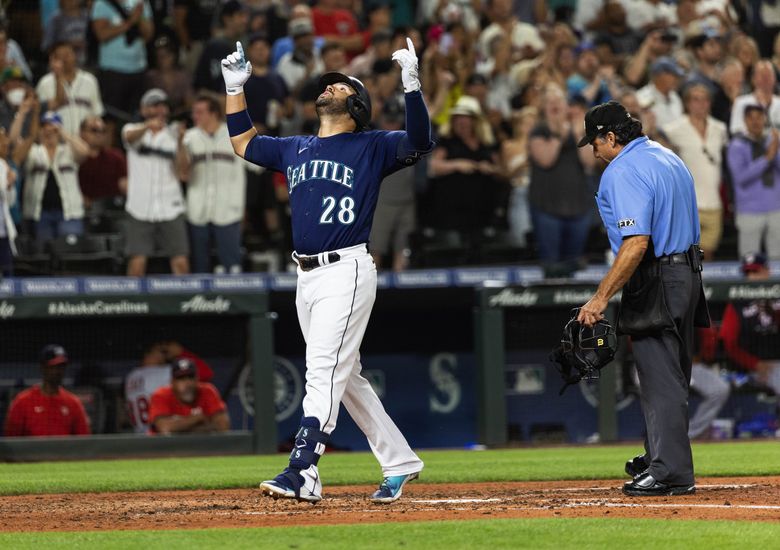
{"x": 358, "y": 104}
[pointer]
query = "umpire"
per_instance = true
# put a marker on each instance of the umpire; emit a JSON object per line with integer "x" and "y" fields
{"x": 648, "y": 206}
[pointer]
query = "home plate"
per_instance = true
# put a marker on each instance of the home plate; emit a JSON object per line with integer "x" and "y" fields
{"x": 457, "y": 500}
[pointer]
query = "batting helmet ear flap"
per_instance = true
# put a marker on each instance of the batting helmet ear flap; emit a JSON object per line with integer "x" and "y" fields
{"x": 358, "y": 110}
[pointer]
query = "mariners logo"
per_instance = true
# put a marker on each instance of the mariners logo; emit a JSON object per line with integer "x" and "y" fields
{"x": 288, "y": 389}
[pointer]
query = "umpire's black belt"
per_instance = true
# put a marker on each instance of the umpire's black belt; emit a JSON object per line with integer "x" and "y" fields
{"x": 681, "y": 258}
{"x": 308, "y": 263}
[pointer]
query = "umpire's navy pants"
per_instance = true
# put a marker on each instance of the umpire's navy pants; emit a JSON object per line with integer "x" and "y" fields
{"x": 664, "y": 367}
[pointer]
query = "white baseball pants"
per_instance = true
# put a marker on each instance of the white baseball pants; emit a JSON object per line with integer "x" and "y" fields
{"x": 334, "y": 304}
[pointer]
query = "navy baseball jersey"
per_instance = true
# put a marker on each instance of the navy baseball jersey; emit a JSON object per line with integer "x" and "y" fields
{"x": 333, "y": 183}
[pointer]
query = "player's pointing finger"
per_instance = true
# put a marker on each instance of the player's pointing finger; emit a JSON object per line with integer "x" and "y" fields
{"x": 240, "y": 50}
{"x": 410, "y": 44}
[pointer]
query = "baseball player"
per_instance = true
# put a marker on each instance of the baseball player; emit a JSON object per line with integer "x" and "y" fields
{"x": 333, "y": 181}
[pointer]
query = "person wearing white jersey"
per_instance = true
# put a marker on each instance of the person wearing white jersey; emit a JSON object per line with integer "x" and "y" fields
{"x": 74, "y": 94}
{"x": 141, "y": 383}
{"x": 154, "y": 197}
{"x": 216, "y": 188}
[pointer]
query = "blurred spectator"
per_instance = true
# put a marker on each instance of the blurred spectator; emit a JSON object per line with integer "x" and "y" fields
{"x": 464, "y": 169}
{"x": 380, "y": 47}
{"x": 7, "y": 199}
{"x": 68, "y": 24}
{"x": 561, "y": 203}
{"x": 233, "y": 19}
{"x": 267, "y": 98}
{"x": 11, "y": 54}
{"x": 122, "y": 35}
{"x": 168, "y": 76}
{"x": 74, "y": 94}
{"x": 187, "y": 405}
{"x": 755, "y": 174}
{"x": 745, "y": 50}
{"x": 495, "y": 75}
{"x": 378, "y": 22}
{"x": 52, "y": 197}
{"x": 47, "y": 409}
{"x": 750, "y": 330}
{"x": 656, "y": 44}
{"x": 597, "y": 84}
{"x": 620, "y": 38}
{"x": 699, "y": 139}
{"x": 303, "y": 62}
{"x": 763, "y": 94}
{"x": 661, "y": 92}
{"x": 154, "y": 197}
{"x": 154, "y": 373}
{"x": 730, "y": 86}
{"x": 286, "y": 43}
{"x": 705, "y": 43}
{"x": 647, "y": 15}
{"x": 103, "y": 174}
{"x": 525, "y": 38}
{"x": 216, "y": 189}
{"x": 517, "y": 166}
{"x": 192, "y": 21}
{"x": 338, "y": 25}
{"x": 15, "y": 89}
{"x": 394, "y": 219}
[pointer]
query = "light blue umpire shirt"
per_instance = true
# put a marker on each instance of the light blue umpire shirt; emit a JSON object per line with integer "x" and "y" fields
{"x": 648, "y": 190}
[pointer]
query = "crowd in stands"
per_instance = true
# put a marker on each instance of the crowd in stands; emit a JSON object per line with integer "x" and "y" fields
{"x": 111, "y": 123}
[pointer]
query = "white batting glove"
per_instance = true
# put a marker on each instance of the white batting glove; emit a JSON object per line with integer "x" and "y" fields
{"x": 407, "y": 59}
{"x": 236, "y": 70}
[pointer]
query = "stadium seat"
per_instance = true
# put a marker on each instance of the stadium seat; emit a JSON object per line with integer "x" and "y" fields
{"x": 85, "y": 254}
{"x": 31, "y": 259}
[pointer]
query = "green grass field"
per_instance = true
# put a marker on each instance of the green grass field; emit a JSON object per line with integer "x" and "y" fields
{"x": 725, "y": 459}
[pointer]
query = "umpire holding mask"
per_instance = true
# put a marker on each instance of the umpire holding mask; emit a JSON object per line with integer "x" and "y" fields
{"x": 647, "y": 203}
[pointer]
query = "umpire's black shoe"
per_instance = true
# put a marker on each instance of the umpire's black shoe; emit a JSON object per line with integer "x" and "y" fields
{"x": 636, "y": 466}
{"x": 647, "y": 486}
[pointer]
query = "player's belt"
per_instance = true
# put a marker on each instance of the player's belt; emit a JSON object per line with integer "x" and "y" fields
{"x": 308, "y": 263}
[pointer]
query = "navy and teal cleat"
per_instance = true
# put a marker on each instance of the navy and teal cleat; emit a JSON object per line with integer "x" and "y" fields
{"x": 301, "y": 485}
{"x": 391, "y": 488}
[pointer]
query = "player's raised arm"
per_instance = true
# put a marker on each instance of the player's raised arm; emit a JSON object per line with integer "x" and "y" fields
{"x": 236, "y": 71}
{"x": 418, "y": 121}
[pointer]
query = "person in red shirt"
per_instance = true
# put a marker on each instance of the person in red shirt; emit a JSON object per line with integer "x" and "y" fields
{"x": 47, "y": 409}
{"x": 103, "y": 175}
{"x": 187, "y": 405}
{"x": 338, "y": 25}
{"x": 750, "y": 330}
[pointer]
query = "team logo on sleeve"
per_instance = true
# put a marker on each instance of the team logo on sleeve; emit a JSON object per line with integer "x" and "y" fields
{"x": 626, "y": 222}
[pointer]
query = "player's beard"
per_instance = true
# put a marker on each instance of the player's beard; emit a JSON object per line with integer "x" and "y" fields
{"x": 331, "y": 106}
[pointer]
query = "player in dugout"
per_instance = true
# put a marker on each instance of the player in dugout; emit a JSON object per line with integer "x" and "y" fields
{"x": 47, "y": 408}
{"x": 187, "y": 405}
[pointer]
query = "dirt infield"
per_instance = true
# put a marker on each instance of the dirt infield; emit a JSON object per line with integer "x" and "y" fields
{"x": 716, "y": 498}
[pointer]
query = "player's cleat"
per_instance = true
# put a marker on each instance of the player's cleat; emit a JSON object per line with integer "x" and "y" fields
{"x": 636, "y": 466}
{"x": 301, "y": 485}
{"x": 647, "y": 486}
{"x": 391, "y": 488}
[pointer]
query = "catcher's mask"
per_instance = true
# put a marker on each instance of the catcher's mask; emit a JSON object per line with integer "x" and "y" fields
{"x": 358, "y": 104}
{"x": 583, "y": 351}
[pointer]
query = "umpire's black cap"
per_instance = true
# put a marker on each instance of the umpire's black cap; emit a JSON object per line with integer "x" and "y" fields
{"x": 602, "y": 119}
{"x": 359, "y": 104}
